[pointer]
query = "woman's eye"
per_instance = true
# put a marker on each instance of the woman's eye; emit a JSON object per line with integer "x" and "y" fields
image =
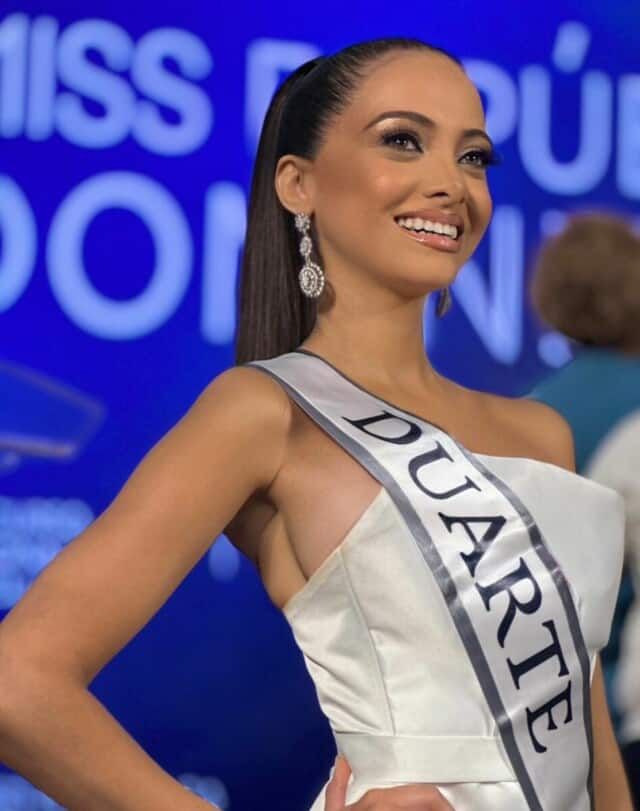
{"x": 398, "y": 139}
{"x": 482, "y": 158}
{"x": 392, "y": 139}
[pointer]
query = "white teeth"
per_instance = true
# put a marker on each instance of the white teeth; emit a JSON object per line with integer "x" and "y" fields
{"x": 418, "y": 224}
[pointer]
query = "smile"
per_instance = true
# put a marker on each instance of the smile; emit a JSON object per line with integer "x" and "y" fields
{"x": 432, "y": 234}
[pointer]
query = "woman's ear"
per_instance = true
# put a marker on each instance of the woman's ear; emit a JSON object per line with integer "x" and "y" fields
{"x": 294, "y": 183}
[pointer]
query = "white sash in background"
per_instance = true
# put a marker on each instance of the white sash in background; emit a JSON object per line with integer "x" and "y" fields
{"x": 506, "y": 594}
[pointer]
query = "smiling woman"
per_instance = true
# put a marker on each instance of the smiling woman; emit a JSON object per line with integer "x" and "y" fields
{"x": 414, "y": 533}
{"x": 445, "y": 649}
{"x": 338, "y": 119}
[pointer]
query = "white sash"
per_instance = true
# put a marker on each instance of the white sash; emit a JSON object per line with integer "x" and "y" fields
{"x": 506, "y": 594}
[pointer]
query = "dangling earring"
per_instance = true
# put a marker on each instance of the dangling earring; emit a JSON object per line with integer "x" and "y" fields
{"x": 444, "y": 302}
{"x": 310, "y": 277}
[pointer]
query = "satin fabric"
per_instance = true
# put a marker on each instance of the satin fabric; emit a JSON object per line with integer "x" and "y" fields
{"x": 390, "y": 670}
{"x": 387, "y": 663}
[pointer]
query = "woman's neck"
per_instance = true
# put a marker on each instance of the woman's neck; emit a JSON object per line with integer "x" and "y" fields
{"x": 377, "y": 359}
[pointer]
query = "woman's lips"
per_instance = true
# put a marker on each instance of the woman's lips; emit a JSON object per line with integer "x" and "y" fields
{"x": 438, "y": 241}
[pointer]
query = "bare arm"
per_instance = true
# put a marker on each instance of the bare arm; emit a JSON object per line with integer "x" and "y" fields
{"x": 106, "y": 585}
{"x": 610, "y": 782}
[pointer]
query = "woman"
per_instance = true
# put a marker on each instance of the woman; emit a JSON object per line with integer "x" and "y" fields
{"x": 455, "y": 661}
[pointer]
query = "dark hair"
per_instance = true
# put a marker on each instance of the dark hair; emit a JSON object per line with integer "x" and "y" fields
{"x": 274, "y": 315}
{"x": 586, "y": 281}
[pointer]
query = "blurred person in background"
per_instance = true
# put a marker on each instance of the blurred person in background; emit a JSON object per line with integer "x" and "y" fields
{"x": 586, "y": 285}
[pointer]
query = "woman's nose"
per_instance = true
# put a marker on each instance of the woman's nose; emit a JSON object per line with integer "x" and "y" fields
{"x": 445, "y": 182}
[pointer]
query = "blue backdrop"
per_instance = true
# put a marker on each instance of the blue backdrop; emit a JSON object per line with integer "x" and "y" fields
{"x": 127, "y": 134}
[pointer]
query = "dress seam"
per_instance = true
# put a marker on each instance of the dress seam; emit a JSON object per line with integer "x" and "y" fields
{"x": 362, "y": 617}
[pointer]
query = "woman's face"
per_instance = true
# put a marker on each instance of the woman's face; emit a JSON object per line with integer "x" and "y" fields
{"x": 374, "y": 168}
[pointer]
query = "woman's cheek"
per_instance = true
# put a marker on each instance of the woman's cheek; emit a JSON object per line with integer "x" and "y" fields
{"x": 390, "y": 190}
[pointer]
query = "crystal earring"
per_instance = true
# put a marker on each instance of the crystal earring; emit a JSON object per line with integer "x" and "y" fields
{"x": 310, "y": 277}
{"x": 444, "y": 302}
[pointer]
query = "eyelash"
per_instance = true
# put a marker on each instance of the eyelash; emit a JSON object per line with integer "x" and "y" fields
{"x": 489, "y": 156}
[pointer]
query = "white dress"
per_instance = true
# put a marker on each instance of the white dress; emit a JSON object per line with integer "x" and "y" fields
{"x": 424, "y": 674}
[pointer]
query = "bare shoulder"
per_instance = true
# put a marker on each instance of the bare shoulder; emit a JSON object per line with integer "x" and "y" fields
{"x": 261, "y": 409}
{"x": 110, "y": 579}
{"x": 244, "y": 402}
{"x": 544, "y": 431}
{"x": 251, "y": 390}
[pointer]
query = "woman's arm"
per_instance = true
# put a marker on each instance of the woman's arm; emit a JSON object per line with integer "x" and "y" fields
{"x": 610, "y": 783}
{"x": 110, "y": 580}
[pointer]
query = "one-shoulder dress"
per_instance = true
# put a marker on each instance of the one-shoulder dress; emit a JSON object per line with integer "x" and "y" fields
{"x": 452, "y": 634}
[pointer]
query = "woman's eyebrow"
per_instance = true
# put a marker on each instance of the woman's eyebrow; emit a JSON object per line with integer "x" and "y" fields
{"x": 419, "y": 118}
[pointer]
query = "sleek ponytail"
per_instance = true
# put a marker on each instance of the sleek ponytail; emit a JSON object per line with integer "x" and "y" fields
{"x": 274, "y": 316}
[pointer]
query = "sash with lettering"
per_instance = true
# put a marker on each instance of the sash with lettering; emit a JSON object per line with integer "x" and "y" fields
{"x": 504, "y": 589}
